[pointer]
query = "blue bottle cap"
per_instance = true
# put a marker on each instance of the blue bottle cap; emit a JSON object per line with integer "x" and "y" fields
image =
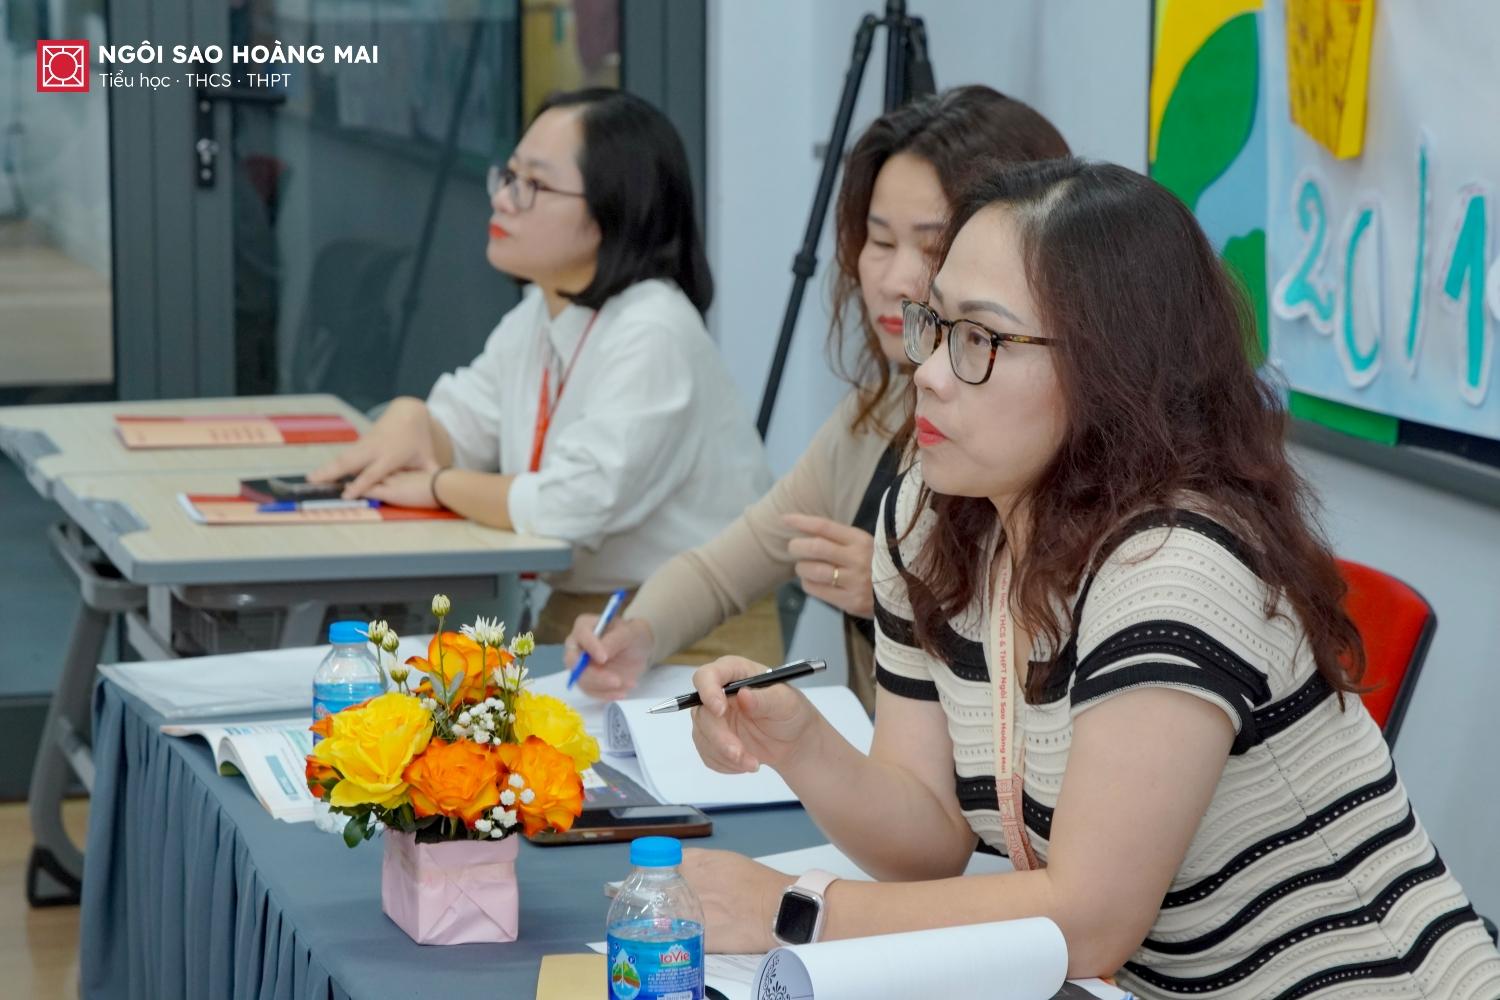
{"x": 347, "y": 633}
{"x": 656, "y": 852}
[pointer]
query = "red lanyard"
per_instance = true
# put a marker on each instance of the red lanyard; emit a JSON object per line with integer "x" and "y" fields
{"x": 1009, "y": 784}
{"x": 546, "y": 404}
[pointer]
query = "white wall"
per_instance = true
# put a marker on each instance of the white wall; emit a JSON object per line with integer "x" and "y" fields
{"x": 1449, "y": 549}
{"x": 1081, "y": 63}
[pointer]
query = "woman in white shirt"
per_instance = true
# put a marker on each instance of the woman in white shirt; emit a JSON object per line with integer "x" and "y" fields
{"x": 599, "y": 411}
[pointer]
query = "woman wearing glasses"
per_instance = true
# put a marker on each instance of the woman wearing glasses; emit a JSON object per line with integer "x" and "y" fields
{"x": 1111, "y": 644}
{"x": 817, "y": 523}
{"x": 600, "y": 411}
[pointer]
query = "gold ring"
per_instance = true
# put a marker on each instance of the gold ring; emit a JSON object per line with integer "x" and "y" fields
{"x": 835, "y": 580}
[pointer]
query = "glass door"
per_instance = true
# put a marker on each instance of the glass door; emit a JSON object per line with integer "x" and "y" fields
{"x": 56, "y": 336}
{"x": 356, "y": 193}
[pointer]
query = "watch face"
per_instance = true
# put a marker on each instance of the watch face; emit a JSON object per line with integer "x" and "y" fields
{"x": 797, "y": 918}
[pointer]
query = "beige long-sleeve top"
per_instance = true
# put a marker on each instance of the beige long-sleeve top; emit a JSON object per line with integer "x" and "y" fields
{"x": 698, "y": 589}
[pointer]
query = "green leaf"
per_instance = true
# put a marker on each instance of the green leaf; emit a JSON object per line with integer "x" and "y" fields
{"x": 1211, "y": 111}
{"x": 353, "y": 834}
{"x": 1246, "y": 257}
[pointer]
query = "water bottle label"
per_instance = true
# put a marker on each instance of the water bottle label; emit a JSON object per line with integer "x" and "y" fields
{"x": 656, "y": 970}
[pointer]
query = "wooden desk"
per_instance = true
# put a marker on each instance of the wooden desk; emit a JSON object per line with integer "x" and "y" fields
{"x": 48, "y": 442}
{"x": 142, "y": 527}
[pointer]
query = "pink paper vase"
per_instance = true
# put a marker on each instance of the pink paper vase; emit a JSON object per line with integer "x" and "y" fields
{"x": 455, "y": 892}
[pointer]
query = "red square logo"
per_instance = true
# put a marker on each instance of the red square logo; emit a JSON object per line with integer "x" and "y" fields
{"x": 62, "y": 65}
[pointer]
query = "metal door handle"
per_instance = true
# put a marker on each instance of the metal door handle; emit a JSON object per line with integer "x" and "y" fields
{"x": 205, "y": 145}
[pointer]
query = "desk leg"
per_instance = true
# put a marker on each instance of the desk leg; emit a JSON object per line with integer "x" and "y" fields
{"x": 54, "y": 873}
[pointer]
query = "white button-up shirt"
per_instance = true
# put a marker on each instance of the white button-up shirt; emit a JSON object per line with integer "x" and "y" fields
{"x": 650, "y": 450}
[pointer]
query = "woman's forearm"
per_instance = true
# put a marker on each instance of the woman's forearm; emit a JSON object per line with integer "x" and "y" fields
{"x": 877, "y": 812}
{"x": 480, "y": 496}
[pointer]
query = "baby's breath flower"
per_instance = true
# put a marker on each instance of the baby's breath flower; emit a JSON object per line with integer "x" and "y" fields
{"x": 507, "y": 798}
{"x": 528, "y": 796}
{"x": 483, "y": 825}
{"x": 480, "y": 736}
{"x": 507, "y": 818}
{"x": 516, "y": 781}
{"x": 497, "y": 833}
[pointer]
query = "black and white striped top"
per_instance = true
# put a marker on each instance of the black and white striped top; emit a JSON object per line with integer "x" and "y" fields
{"x": 1309, "y": 875}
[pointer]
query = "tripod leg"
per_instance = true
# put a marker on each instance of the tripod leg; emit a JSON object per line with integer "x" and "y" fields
{"x": 805, "y": 264}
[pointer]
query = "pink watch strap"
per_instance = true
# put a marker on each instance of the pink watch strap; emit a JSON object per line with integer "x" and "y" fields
{"x": 815, "y": 880}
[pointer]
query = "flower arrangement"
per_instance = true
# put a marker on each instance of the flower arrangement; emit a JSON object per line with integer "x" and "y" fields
{"x": 466, "y": 753}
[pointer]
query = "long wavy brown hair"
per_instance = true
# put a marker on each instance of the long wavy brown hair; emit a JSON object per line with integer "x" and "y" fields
{"x": 1161, "y": 401}
{"x": 952, "y": 131}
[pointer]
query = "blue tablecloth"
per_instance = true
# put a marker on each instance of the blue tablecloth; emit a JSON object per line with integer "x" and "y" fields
{"x": 191, "y": 890}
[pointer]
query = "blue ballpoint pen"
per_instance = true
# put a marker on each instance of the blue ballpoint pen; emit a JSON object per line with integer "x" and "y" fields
{"x": 292, "y": 506}
{"x": 610, "y": 610}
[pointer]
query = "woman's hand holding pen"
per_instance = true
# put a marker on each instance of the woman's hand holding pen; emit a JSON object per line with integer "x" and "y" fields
{"x": 403, "y": 439}
{"x": 833, "y": 562}
{"x": 766, "y": 725}
{"x": 617, "y": 659}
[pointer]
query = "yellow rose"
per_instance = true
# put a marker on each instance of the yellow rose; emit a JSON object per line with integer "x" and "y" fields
{"x": 557, "y": 724}
{"x": 371, "y": 745}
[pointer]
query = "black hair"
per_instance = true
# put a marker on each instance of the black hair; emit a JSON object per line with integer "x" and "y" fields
{"x": 640, "y": 194}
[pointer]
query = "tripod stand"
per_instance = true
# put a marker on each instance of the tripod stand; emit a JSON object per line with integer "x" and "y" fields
{"x": 908, "y": 74}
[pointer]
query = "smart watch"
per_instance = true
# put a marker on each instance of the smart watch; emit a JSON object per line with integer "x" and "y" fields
{"x": 799, "y": 919}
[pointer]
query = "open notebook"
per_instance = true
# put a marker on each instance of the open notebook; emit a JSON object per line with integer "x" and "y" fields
{"x": 272, "y": 755}
{"x": 658, "y": 751}
{"x": 1009, "y": 960}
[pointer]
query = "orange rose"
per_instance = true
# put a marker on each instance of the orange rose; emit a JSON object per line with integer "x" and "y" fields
{"x": 555, "y": 787}
{"x": 320, "y": 777}
{"x": 453, "y": 779}
{"x": 459, "y": 667}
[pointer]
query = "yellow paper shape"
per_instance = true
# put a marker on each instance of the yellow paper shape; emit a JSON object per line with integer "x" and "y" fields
{"x": 1328, "y": 70}
{"x": 567, "y": 977}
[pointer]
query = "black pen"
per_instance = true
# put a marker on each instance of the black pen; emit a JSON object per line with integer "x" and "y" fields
{"x": 789, "y": 672}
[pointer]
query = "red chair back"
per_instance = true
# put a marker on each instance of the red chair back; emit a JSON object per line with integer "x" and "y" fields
{"x": 1396, "y": 624}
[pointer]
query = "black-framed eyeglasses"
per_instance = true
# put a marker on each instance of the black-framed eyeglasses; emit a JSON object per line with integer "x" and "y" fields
{"x": 971, "y": 346}
{"x": 523, "y": 190}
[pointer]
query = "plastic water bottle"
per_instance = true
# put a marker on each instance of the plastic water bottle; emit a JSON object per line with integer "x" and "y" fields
{"x": 348, "y": 675}
{"x": 655, "y": 938}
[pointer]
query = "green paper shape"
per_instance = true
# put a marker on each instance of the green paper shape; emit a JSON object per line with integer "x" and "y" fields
{"x": 1246, "y": 257}
{"x": 1367, "y": 424}
{"x": 1209, "y": 116}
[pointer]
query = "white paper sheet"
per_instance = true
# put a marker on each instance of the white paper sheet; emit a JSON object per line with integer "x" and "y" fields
{"x": 1010, "y": 960}
{"x": 203, "y": 687}
{"x": 734, "y": 975}
{"x": 673, "y": 771}
{"x": 657, "y": 684}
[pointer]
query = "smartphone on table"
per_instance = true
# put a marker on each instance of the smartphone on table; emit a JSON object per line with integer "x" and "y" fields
{"x": 602, "y": 826}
